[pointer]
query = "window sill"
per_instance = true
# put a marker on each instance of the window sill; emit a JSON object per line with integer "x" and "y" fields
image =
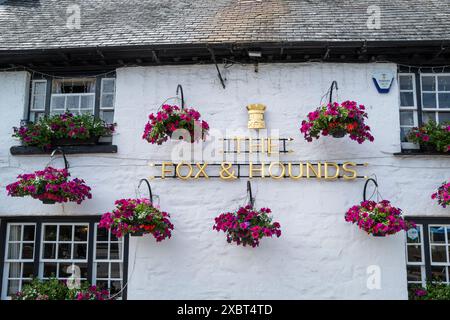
{"x": 99, "y": 148}
{"x": 421, "y": 153}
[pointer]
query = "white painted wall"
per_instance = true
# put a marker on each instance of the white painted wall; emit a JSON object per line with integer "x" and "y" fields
{"x": 318, "y": 256}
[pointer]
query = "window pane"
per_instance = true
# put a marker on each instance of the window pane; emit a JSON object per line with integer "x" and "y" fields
{"x": 50, "y": 270}
{"x": 72, "y": 103}
{"x": 444, "y": 100}
{"x": 13, "y": 287}
{"x": 444, "y": 83}
{"x": 406, "y": 82}
{"x": 87, "y": 102}
{"x": 102, "y": 234}
{"x": 116, "y": 270}
{"x": 102, "y": 251}
{"x": 437, "y": 234}
{"x": 57, "y": 103}
{"x": 414, "y": 253}
{"x": 108, "y": 85}
{"x": 107, "y": 116}
{"x": 116, "y": 286}
{"x": 49, "y": 251}
{"x": 79, "y": 251}
{"x": 65, "y": 270}
{"x": 444, "y": 117}
{"x": 14, "y": 270}
{"x": 427, "y": 116}
{"x": 27, "y": 251}
{"x": 438, "y": 254}
{"x": 40, "y": 88}
{"x": 414, "y": 273}
{"x": 15, "y": 232}
{"x": 429, "y": 100}
{"x": 28, "y": 233}
{"x": 28, "y": 270}
{"x": 14, "y": 251}
{"x": 50, "y": 233}
{"x": 83, "y": 270}
{"x": 102, "y": 270}
{"x": 428, "y": 83}
{"x": 406, "y": 99}
{"x": 406, "y": 118}
{"x": 64, "y": 251}
{"x": 65, "y": 233}
{"x": 107, "y": 101}
{"x": 438, "y": 273}
{"x": 114, "y": 251}
{"x": 81, "y": 233}
{"x": 38, "y": 103}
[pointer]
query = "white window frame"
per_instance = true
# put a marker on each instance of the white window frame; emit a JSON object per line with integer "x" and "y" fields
{"x": 57, "y": 260}
{"x": 421, "y": 263}
{"x": 446, "y": 245}
{"x": 409, "y": 145}
{"x": 121, "y": 243}
{"x": 7, "y": 261}
{"x": 113, "y": 94}
{"x": 66, "y": 96}
{"x": 436, "y": 92}
{"x": 33, "y": 95}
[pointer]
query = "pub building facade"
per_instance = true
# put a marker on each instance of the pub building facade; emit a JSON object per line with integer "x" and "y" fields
{"x": 125, "y": 60}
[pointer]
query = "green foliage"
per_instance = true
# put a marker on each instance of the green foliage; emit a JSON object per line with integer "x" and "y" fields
{"x": 433, "y": 291}
{"x": 62, "y": 126}
{"x": 432, "y": 135}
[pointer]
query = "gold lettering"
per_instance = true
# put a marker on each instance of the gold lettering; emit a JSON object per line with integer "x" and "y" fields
{"x": 164, "y": 170}
{"x": 225, "y": 173}
{"x": 237, "y": 144}
{"x": 178, "y": 170}
{"x": 346, "y": 169}
{"x": 310, "y": 167}
{"x": 270, "y": 146}
{"x": 256, "y": 145}
{"x": 332, "y": 164}
{"x": 201, "y": 170}
{"x": 251, "y": 170}
{"x": 300, "y": 175}
{"x": 280, "y": 165}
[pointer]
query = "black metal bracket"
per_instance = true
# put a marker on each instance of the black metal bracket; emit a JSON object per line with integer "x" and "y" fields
{"x": 333, "y": 85}
{"x": 180, "y": 89}
{"x": 250, "y": 194}
{"x": 66, "y": 163}
{"x": 150, "y": 194}
{"x": 365, "y": 188}
{"x": 213, "y": 57}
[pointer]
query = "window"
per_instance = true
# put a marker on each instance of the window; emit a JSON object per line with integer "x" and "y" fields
{"x": 428, "y": 251}
{"x": 18, "y": 268}
{"x": 435, "y": 97}
{"x": 108, "y": 261}
{"x": 108, "y": 91}
{"x": 77, "y": 95}
{"x": 38, "y": 99}
{"x": 73, "y": 95}
{"x": 63, "y": 249}
{"x": 408, "y": 106}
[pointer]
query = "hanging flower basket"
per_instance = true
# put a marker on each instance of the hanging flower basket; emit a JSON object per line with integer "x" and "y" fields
{"x": 62, "y": 130}
{"x": 247, "y": 226}
{"x": 172, "y": 118}
{"x": 442, "y": 195}
{"x": 137, "y": 217}
{"x": 337, "y": 120}
{"x": 50, "y": 185}
{"x": 378, "y": 219}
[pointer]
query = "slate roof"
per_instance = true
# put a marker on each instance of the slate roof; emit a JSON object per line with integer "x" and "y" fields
{"x": 41, "y": 24}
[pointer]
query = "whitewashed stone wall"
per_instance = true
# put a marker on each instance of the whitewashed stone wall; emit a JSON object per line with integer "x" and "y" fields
{"x": 319, "y": 255}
